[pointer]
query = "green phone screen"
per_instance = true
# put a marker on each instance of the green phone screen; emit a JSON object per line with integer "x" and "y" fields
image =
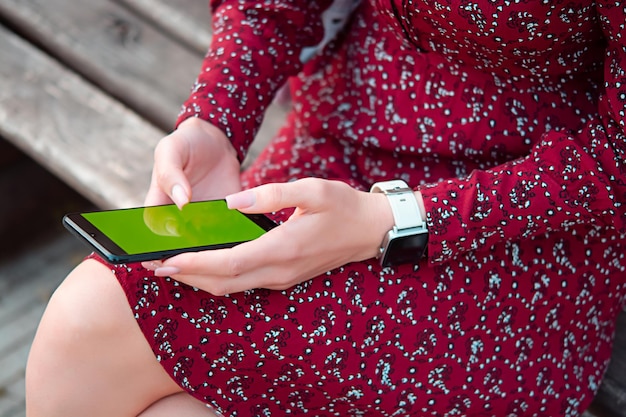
{"x": 154, "y": 229}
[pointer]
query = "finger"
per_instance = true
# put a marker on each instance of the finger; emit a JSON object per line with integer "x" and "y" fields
{"x": 152, "y": 265}
{"x": 268, "y": 249}
{"x": 155, "y": 196}
{"x": 221, "y": 286}
{"x": 271, "y": 277}
{"x": 277, "y": 196}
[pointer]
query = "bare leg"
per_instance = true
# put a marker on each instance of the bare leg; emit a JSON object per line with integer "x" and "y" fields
{"x": 89, "y": 357}
{"x": 181, "y": 404}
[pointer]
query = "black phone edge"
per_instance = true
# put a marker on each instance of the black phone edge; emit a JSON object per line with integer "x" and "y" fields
{"x": 92, "y": 244}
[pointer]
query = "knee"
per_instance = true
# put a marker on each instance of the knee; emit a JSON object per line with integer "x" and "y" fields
{"x": 88, "y": 303}
{"x": 80, "y": 322}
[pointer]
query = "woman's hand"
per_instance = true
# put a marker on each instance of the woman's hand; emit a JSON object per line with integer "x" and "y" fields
{"x": 332, "y": 225}
{"x": 197, "y": 162}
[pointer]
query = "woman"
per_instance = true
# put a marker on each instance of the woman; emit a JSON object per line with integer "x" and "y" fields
{"x": 506, "y": 119}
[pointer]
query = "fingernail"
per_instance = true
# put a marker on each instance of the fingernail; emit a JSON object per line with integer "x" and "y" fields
{"x": 166, "y": 271}
{"x": 151, "y": 265}
{"x": 241, "y": 200}
{"x": 179, "y": 196}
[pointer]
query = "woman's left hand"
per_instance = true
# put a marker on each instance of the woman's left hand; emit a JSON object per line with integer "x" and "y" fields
{"x": 332, "y": 225}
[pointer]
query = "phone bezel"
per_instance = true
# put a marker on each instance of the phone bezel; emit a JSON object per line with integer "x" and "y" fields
{"x": 107, "y": 249}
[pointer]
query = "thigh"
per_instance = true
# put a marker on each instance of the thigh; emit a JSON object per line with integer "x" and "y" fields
{"x": 89, "y": 356}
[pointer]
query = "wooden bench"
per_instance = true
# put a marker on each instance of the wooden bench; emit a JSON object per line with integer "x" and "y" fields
{"x": 87, "y": 89}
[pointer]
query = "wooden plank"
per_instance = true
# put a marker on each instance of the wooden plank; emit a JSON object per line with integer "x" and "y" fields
{"x": 186, "y": 20}
{"x": 31, "y": 208}
{"x": 31, "y": 276}
{"x": 13, "y": 365}
{"x": 113, "y": 48}
{"x": 10, "y": 406}
{"x": 123, "y": 54}
{"x": 89, "y": 140}
{"x": 26, "y": 282}
{"x": 21, "y": 330}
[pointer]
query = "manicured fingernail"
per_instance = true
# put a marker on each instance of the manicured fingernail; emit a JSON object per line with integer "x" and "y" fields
{"x": 179, "y": 196}
{"x": 166, "y": 271}
{"x": 151, "y": 265}
{"x": 241, "y": 200}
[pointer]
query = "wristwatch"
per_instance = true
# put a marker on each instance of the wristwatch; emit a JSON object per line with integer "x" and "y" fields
{"x": 406, "y": 242}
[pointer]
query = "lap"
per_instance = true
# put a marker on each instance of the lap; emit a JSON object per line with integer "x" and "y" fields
{"x": 371, "y": 339}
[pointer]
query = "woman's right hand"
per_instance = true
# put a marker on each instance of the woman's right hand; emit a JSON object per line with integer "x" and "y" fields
{"x": 195, "y": 162}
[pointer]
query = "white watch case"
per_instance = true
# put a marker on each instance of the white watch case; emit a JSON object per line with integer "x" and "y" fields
{"x": 407, "y": 241}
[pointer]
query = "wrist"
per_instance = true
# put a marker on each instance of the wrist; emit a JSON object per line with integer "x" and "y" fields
{"x": 383, "y": 219}
{"x": 420, "y": 204}
{"x": 209, "y": 131}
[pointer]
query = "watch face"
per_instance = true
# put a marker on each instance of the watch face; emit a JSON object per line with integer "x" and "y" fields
{"x": 405, "y": 249}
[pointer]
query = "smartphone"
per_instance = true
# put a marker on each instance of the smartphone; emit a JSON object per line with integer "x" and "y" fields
{"x": 152, "y": 233}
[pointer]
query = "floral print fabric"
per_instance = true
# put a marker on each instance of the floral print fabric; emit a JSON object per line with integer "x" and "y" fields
{"x": 509, "y": 117}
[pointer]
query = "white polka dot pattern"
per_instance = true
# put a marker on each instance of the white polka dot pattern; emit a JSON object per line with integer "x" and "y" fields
{"x": 509, "y": 116}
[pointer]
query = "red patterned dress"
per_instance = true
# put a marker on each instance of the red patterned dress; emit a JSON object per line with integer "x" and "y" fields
{"x": 509, "y": 116}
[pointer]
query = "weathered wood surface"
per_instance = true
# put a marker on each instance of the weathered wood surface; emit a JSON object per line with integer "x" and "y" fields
{"x": 114, "y": 49}
{"x": 185, "y": 20}
{"x": 26, "y": 283}
{"x": 88, "y": 139}
{"x": 117, "y": 69}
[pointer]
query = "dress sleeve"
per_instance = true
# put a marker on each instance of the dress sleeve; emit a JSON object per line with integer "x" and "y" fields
{"x": 255, "y": 47}
{"x": 568, "y": 178}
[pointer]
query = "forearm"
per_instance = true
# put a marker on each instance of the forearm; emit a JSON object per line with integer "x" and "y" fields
{"x": 559, "y": 185}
